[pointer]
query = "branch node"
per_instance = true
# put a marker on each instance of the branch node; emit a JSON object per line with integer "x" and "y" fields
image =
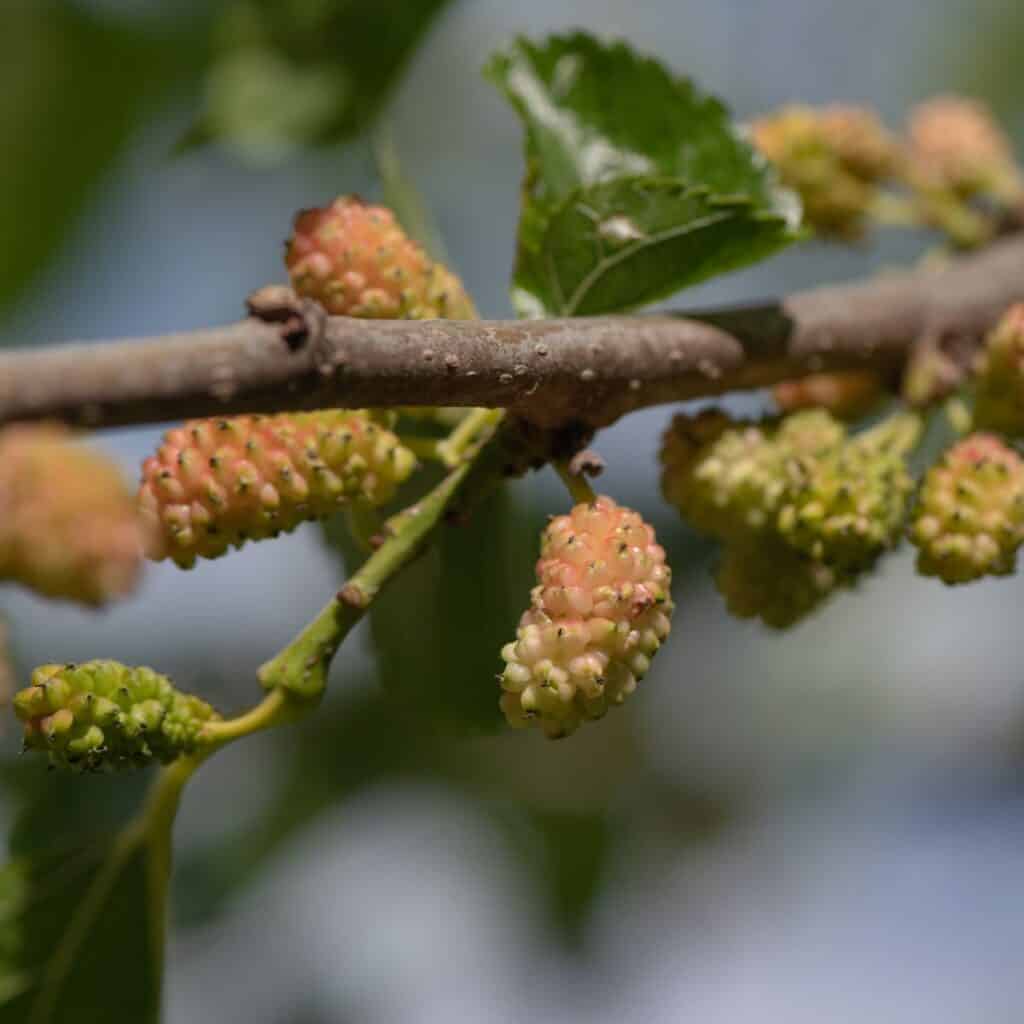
{"x": 586, "y": 463}
{"x": 353, "y": 596}
{"x": 298, "y": 319}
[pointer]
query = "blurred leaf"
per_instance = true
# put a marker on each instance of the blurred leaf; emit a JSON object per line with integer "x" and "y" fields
{"x": 72, "y": 88}
{"x": 350, "y": 743}
{"x": 984, "y": 62}
{"x": 404, "y": 199}
{"x": 57, "y": 809}
{"x": 439, "y": 630}
{"x": 636, "y": 183}
{"x": 289, "y": 73}
{"x": 81, "y": 931}
{"x": 574, "y": 850}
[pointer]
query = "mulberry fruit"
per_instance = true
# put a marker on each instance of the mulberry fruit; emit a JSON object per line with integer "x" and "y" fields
{"x": 846, "y": 394}
{"x": 729, "y": 480}
{"x": 216, "y": 483}
{"x": 356, "y": 261}
{"x": 969, "y": 520}
{"x": 599, "y": 613}
{"x": 833, "y": 158}
{"x": 765, "y": 578}
{"x": 104, "y": 716}
{"x": 955, "y": 144}
{"x": 999, "y": 381}
{"x": 846, "y": 507}
{"x": 68, "y": 527}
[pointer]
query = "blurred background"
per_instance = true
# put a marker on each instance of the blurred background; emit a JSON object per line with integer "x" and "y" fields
{"x": 824, "y": 824}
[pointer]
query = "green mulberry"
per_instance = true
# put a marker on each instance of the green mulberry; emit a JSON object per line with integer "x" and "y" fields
{"x": 766, "y": 579}
{"x": 730, "y": 479}
{"x": 845, "y": 508}
{"x": 833, "y": 157}
{"x": 104, "y": 716}
{"x": 969, "y": 520}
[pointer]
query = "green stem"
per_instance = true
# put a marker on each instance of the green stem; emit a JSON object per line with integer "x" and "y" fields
{"x": 155, "y": 826}
{"x": 891, "y": 210}
{"x": 454, "y": 447}
{"x": 958, "y": 415}
{"x": 274, "y": 709}
{"x": 425, "y": 447}
{"x": 301, "y": 668}
{"x": 577, "y": 486}
{"x": 363, "y": 523}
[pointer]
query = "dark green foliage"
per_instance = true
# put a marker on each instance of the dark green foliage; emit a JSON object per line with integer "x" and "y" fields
{"x": 72, "y": 89}
{"x": 636, "y": 183}
{"x": 80, "y": 932}
{"x": 288, "y": 74}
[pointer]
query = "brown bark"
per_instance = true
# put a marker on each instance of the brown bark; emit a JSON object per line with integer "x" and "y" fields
{"x": 549, "y": 371}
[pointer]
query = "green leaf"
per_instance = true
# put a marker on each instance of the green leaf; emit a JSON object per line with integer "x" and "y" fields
{"x": 619, "y": 245}
{"x": 294, "y": 73}
{"x": 72, "y": 88}
{"x": 83, "y": 903}
{"x": 79, "y": 939}
{"x": 404, "y": 199}
{"x": 574, "y": 850}
{"x": 637, "y": 184}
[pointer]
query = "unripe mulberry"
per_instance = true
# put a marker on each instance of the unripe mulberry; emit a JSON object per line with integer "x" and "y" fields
{"x": 999, "y": 381}
{"x": 215, "y": 484}
{"x": 969, "y": 520}
{"x": 599, "y": 613}
{"x": 833, "y": 158}
{"x": 846, "y": 394}
{"x": 846, "y": 507}
{"x": 956, "y": 144}
{"x": 729, "y": 479}
{"x": 68, "y": 527}
{"x": 104, "y": 716}
{"x": 765, "y": 578}
{"x": 356, "y": 261}
{"x": 861, "y": 142}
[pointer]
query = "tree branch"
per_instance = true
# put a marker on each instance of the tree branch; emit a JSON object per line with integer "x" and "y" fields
{"x": 549, "y": 371}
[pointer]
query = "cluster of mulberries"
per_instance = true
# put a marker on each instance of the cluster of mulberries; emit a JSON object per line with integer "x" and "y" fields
{"x": 729, "y": 479}
{"x": 763, "y": 577}
{"x": 356, "y": 261}
{"x": 999, "y": 377}
{"x": 969, "y": 520}
{"x": 68, "y": 527}
{"x": 833, "y": 157}
{"x": 846, "y": 507}
{"x": 600, "y": 611}
{"x": 956, "y": 144}
{"x": 104, "y": 716}
{"x": 216, "y": 483}
{"x": 723, "y": 476}
{"x": 800, "y": 506}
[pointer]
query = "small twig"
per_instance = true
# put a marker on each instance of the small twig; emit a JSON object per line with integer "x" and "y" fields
{"x": 453, "y": 448}
{"x": 301, "y": 668}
